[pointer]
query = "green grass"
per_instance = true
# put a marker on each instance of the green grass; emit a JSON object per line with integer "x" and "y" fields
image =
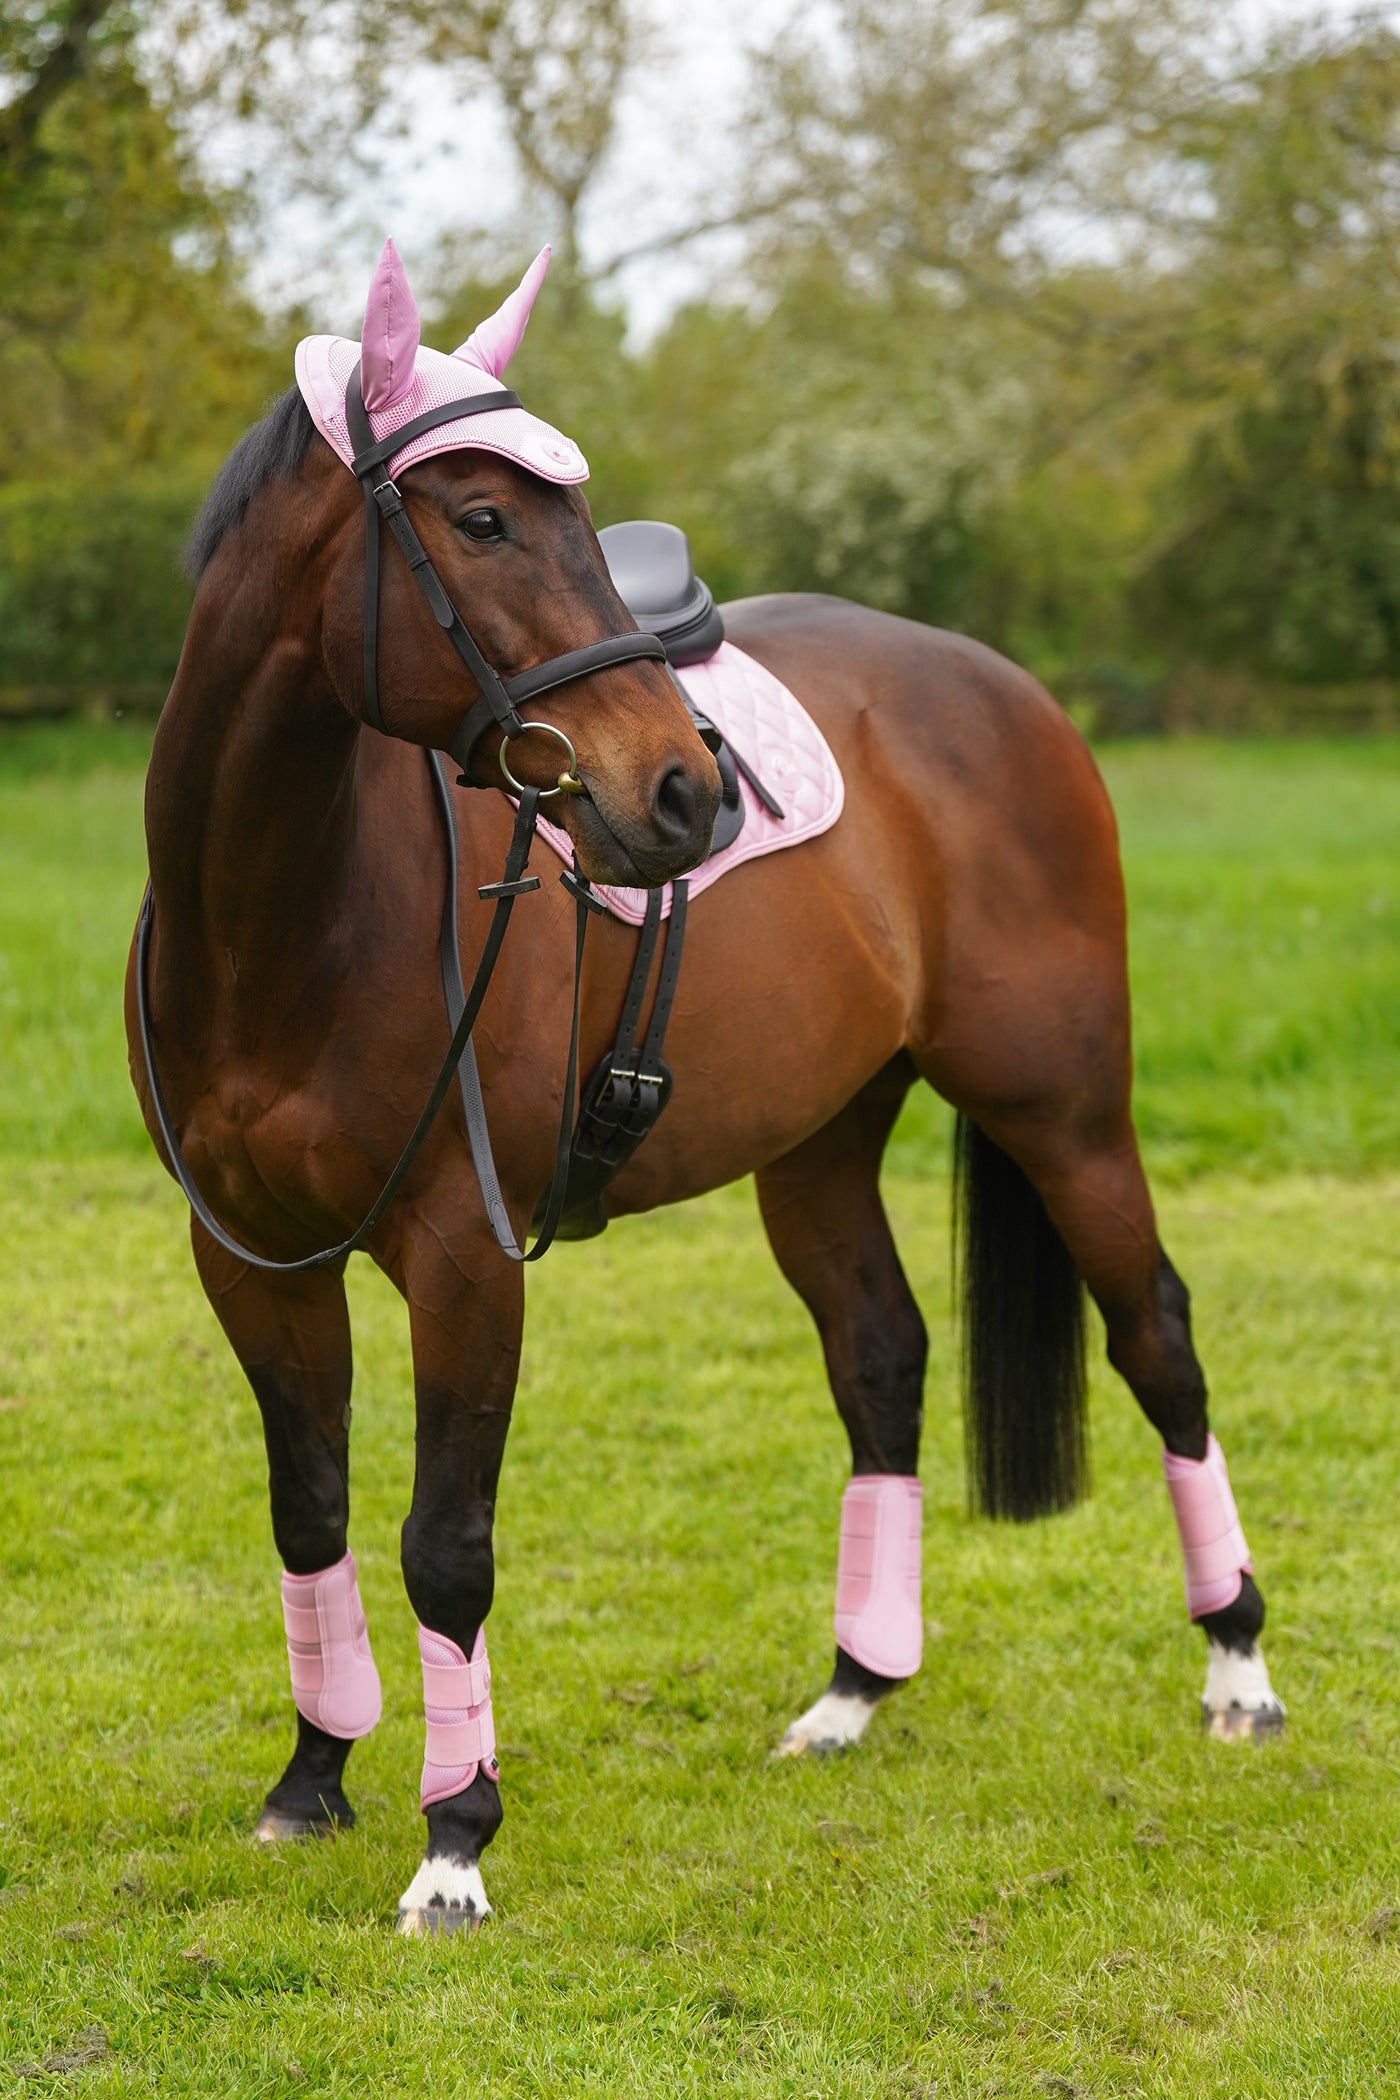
{"x": 1035, "y": 1878}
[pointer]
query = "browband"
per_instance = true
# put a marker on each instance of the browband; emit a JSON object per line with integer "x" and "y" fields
{"x": 376, "y": 453}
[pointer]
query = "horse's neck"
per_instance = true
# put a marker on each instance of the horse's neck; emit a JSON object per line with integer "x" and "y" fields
{"x": 252, "y": 811}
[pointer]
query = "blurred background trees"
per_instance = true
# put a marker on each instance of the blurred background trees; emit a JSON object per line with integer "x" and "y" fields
{"x": 1068, "y": 323}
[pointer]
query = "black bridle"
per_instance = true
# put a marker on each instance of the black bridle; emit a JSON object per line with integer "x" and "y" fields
{"x": 498, "y": 703}
{"x": 499, "y": 698}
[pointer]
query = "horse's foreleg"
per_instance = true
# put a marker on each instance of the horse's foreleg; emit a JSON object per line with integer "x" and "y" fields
{"x": 1094, "y": 1189}
{"x": 291, "y": 1334}
{"x": 827, "y": 1226}
{"x": 466, "y": 1356}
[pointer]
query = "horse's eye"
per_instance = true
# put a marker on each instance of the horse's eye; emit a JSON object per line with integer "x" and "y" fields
{"x": 482, "y": 525}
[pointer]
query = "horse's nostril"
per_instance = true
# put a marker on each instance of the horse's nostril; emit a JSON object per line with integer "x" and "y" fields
{"x": 676, "y": 804}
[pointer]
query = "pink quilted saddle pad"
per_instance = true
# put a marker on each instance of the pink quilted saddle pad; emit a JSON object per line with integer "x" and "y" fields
{"x": 779, "y": 739}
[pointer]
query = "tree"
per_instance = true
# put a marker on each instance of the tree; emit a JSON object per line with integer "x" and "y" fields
{"x": 1171, "y": 258}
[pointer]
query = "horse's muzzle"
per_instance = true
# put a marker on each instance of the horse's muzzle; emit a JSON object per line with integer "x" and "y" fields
{"x": 641, "y": 851}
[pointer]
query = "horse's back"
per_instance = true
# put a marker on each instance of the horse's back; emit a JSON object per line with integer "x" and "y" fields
{"x": 972, "y": 746}
{"x": 966, "y": 902}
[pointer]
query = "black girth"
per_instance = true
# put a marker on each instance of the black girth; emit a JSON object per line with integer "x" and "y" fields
{"x": 624, "y": 1096}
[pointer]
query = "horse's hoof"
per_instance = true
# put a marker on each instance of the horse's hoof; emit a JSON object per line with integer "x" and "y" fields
{"x": 1239, "y": 1705}
{"x": 443, "y": 1896}
{"x": 1239, "y": 1724}
{"x": 837, "y": 1722}
{"x": 446, "y": 1917}
{"x": 276, "y": 1827}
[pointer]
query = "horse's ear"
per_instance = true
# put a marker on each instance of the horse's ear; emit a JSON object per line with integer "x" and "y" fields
{"x": 492, "y": 344}
{"x": 389, "y": 342}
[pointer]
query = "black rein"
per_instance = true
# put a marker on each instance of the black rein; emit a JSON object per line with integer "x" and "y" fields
{"x": 463, "y": 1006}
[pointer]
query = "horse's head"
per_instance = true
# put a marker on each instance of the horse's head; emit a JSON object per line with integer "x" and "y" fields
{"x": 491, "y": 497}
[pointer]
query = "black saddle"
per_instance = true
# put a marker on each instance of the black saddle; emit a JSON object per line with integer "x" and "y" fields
{"x": 651, "y": 567}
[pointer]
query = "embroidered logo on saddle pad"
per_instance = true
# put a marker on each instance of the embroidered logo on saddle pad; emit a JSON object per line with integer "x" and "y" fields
{"x": 769, "y": 727}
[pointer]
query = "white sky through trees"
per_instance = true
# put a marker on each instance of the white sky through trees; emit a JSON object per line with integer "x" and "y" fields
{"x": 452, "y": 170}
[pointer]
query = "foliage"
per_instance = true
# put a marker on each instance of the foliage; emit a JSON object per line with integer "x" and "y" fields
{"x": 1290, "y": 559}
{"x": 1173, "y": 259}
{"x": 1066, "y": 324}
{"x": 124, "y": 340}
{"x": 557, "y": 68}
{"x": 91, "y": 593}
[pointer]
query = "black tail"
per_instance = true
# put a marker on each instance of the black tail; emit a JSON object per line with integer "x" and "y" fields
{"x": 1023, "y": 1339}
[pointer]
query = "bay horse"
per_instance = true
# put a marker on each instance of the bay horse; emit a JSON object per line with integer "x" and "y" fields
{"x": 961, "y": 925}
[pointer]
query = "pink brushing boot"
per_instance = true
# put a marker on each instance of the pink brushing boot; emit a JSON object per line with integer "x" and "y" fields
{"x": 879, "y": 1620}
{"x": 1239, "y": 1702}
{"x": 445, "y": 1895}
{"x": 336, "y": 1689}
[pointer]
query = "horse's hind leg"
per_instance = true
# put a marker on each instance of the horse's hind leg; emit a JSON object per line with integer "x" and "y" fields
{"x": 291, "y": 1334}
{"x": 827, "y": 1226}
{"x": 1088, "y": 1175}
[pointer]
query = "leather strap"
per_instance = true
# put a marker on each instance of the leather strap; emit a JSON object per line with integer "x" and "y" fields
{"x": 670, "y": 977}
{"x": 468, "y": 1076}
{"x": 630, "y": 1087}
{"x": 629, "y": 1027}
{"x": 378, "y": 452}
{"x": 765, "y": 795}
{"x": 382, "y": 500}
{"x": 543, "y": 678}
{"x": 496, "y": 703}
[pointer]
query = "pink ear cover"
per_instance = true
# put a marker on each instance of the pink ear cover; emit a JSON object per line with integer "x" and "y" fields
{"x": 334, "y": 1681}
{"x": 492, "y": 344}
{"x": 389, "y": 340}
{"x": 461, "y": 1730}
{"x": 403, "y": 378}
{"x": 879, "y": 1616}
{"x": 1213, "y": 1548}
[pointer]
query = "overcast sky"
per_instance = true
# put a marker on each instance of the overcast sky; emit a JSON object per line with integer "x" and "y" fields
{"x": 455, "y": 168}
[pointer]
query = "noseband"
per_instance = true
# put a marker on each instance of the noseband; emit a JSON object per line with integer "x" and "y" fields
{"x": 498, "y": 702}
{"x": 499, "y": 698}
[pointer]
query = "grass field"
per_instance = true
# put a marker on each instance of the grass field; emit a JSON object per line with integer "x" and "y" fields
{"x": 1035, "y": 1878}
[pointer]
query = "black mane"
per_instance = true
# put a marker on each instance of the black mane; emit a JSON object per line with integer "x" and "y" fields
{"x": 271, "y": 451}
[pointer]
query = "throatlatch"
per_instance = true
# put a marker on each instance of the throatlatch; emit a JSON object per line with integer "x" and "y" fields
{"x": 1213, "y": 1550}
{"x": 334, "y": 1681}
{"x": 879, "y": 1614}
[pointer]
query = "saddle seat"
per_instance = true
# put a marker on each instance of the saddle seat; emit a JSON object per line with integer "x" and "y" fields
{"x": 651, "y": 568}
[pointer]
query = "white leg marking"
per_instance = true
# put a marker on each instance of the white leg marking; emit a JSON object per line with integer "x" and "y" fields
{"x": 838, "y": 1720}
{"x": 443, "y": 1896}
{"x": 1239, "y": 1701}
